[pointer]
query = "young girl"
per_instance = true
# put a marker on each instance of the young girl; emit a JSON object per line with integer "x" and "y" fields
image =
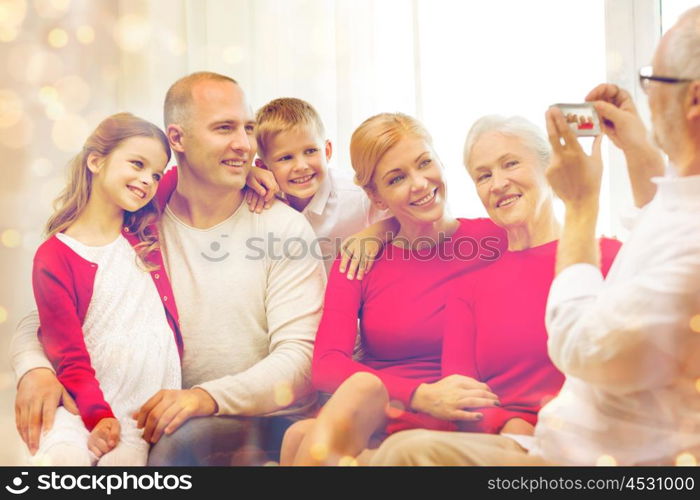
{"x": 109, "y": 323}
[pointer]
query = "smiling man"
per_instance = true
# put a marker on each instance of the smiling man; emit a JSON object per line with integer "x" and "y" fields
{"x": 248, "y": 323}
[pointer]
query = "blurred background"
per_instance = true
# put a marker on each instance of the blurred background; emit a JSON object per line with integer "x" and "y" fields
{"x": 67, "y": 64}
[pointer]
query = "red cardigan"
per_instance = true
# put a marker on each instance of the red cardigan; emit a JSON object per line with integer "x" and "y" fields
{"x": 63, "y": 285}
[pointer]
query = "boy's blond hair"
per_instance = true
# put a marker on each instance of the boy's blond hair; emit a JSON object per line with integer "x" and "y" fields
{"x": 282, "y": 115}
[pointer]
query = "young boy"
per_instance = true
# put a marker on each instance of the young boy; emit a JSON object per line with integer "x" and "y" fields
{"x": 292, "y": 144}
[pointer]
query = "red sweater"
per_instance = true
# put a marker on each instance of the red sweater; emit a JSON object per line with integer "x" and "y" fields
{"x": 400, "y": 305}
{"x": 495, "y": 332}
{"x": 63, "y": 284}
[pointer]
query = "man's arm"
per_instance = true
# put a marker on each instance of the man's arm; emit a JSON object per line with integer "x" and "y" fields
{"x": 625, "y": 336}
{"x": 39, "y": 392}
{"x": 26, "y": 352}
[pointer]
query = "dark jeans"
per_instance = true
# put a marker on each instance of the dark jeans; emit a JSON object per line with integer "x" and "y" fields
{"x": 222, "y": 441}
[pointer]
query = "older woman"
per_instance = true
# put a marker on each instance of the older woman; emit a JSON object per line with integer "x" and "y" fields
{"x": 494, "y": 329}
{"x": 400, "y": 305}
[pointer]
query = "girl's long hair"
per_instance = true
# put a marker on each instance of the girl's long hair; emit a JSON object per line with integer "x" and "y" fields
{"x": 109, "y": 134}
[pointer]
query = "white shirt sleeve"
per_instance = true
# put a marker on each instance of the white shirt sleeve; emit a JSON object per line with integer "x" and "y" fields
{"x": 624, "y": 336}
{"x": 294, "y": 302}
{"x": 25, "y": 349}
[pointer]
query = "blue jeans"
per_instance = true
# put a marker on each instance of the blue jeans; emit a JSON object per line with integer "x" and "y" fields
{"x": 222, "y": 441}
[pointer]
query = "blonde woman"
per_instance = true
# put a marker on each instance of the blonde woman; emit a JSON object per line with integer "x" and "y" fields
{"x": 400, "y": 307}
{"x": 109, "y": 323}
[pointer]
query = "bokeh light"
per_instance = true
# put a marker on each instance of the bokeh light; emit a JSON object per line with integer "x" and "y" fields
{"x": 8, "y": 33}
{"x": 58, "y": 38}
{"x": 60, "y": 5}
{"x": 33, "y": 64}
{"x": 11, "y": 238}
{"x": 348, "y": 461}
{"x": 318, "y": 452}
{"x": 606, "y": 461}
{"x": 10, "y": 108}
{"x": 7, "y": 379}
{"x": 233, "y": 54}
{"x": 73, "y": 92}
{"x": 48, "y": 94}
{"x": 697, "y": 384}
{"x": 132, "y": 33}
{"x": 18, "y": 136}
{"x": 31, "y": 240}
{"x": 3, "y": 314}
{"x": 695, "y": 323}
{"x": 175, "y": 44}
{"x": 686, "y": 460}
{"x": 55, "y": 110}
{"x": 49, "y": 9}
{"x": 284, "y": 396}
{"x": 12, "y": 13}
{"x": 50, "y": 189}
{"x": 69, "y": 133}
{"x": 85, "y": 34}
{"x": 42, "y": 167}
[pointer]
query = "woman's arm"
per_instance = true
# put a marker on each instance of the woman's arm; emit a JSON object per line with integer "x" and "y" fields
{"x": 335, "y": 340}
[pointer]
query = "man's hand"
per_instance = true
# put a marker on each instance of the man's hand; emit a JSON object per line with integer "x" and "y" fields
{"x": 574, "y": 176}
{"x": 169, "y": 409}
{"x": 262, "y": 188}
{"x": 104, "y": 437}
{"x": 447, "y": 398}
{"x": 39, "y": 393}
{"x": 620, "y": 121}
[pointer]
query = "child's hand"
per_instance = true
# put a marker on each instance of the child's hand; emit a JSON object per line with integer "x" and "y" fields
{"x": 359, "y": 252}
{"x": 262, "y": 188}
{"x": 104, "y": 437}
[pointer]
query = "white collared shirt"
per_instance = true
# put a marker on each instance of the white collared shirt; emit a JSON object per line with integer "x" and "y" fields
{"x": 627, "y": 346}
{"x": 339, "y": 209}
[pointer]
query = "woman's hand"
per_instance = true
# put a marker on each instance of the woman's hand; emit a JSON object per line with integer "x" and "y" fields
{"x": 448, "y": 398}
{"x": 104, "y": 437}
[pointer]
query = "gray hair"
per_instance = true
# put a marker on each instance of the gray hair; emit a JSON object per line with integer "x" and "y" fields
{"x": 517, "y": 126}
{"x": 683, "y": 51}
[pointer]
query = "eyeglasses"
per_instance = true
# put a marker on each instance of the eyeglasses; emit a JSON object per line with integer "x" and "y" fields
{"x": 646, "y": 75}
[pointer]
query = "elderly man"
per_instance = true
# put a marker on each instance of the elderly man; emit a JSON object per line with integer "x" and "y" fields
{"x": 629, "y": 345}
{"x": 248, "y": 293}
